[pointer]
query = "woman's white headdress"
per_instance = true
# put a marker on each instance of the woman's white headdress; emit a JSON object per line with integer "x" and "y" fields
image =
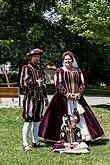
{"x": 74, "y": 64}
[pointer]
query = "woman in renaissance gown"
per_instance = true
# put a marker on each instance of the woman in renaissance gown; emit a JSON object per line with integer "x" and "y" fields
{"x": 69, "y": 83}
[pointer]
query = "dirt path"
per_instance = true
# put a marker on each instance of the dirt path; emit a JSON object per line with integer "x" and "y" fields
{"x": 92, "y": 100}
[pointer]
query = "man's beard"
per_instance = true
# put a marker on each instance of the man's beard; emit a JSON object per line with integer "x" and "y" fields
{"x": 35, "y": 62}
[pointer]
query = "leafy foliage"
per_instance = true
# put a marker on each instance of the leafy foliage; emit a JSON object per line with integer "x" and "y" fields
{"x": 81, "y": 26}
{"x": 90, "y": 19}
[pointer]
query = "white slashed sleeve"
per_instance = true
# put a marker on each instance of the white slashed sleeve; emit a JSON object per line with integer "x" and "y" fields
{"x": 57, "y": 78}
{"x": 82, "y": 78}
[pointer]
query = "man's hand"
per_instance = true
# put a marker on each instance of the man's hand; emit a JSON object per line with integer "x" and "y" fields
{"x": 46, "y": 102}
{"x": 40, "y": 82}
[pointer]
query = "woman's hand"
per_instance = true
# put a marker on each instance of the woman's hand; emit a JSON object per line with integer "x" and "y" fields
{"x": 75, "y": 96}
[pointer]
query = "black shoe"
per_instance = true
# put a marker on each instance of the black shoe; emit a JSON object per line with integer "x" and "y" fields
{"x": 34, "y": 145}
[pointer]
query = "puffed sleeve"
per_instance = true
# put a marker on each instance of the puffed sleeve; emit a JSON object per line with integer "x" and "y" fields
{"x": 81, "y": 82}
{"x": 59, "y": 82}
{"x": 44, "y": 84}
{"x": 26, "y": 80}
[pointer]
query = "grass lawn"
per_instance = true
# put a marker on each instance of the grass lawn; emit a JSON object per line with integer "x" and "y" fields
{"x": 11, "y": 152}
{"x": 91, "y": 90}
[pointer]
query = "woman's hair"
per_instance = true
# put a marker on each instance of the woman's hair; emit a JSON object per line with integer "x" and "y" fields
{"x": 68, "y": 53}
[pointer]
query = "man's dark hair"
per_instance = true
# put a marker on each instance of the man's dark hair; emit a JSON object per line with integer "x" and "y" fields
{"x": 75, "y": 113}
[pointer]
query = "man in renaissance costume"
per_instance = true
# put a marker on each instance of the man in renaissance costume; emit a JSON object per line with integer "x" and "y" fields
{"x": 32, "y": 80}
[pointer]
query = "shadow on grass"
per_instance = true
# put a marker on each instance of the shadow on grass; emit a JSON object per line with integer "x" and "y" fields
{"x": 94, "y": 143}
{"x": 98, "y": 142}
{"x": 107, "y": 107}
{"x": 47, "y": 143}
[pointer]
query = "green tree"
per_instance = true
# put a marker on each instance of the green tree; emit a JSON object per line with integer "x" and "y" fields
{"x": 25, "y": 25}
{"x": 22, "y": 27}
{"x": 89, "y": 19}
